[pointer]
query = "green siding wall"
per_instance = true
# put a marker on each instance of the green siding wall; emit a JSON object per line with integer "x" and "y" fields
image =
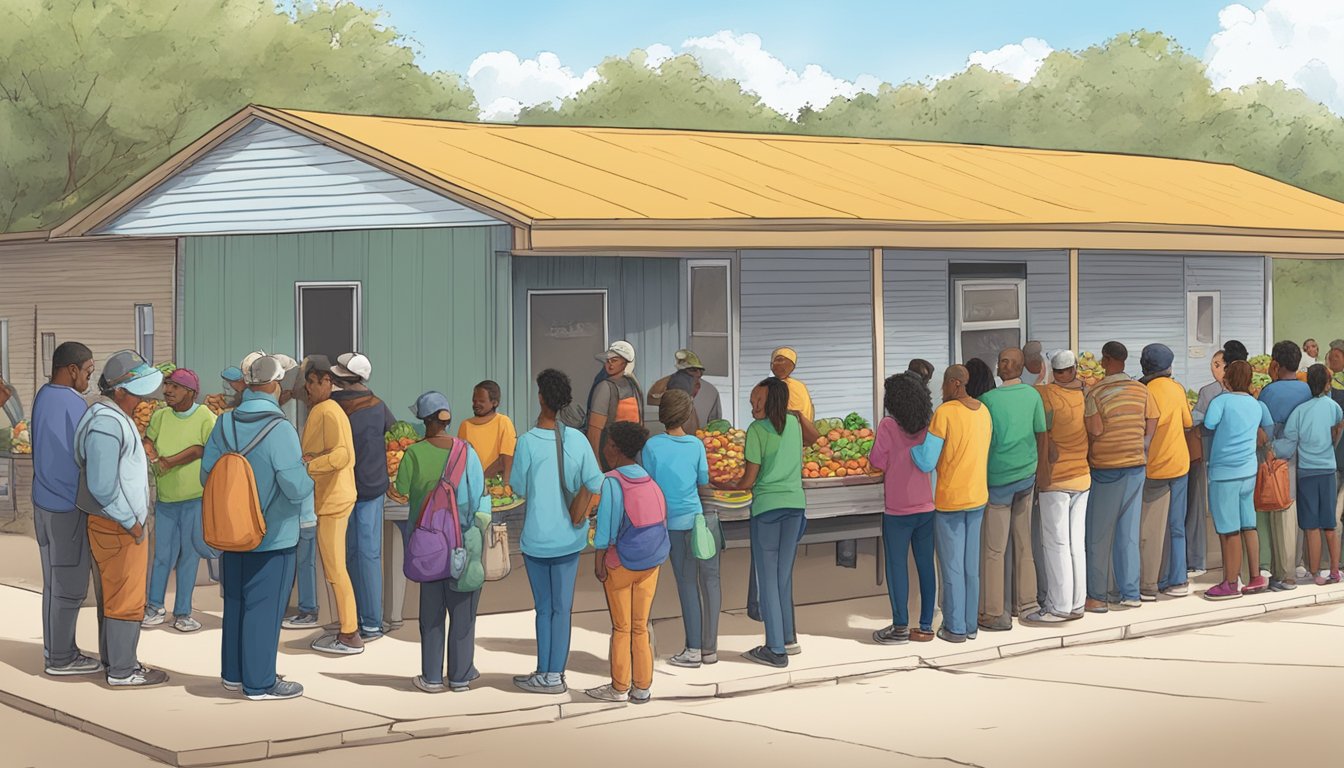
{"x": 436, "y": 304}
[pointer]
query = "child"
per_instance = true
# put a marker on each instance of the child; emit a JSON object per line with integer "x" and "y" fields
{"x": 1310, "y": 435}
{"x": 632, "y": 543}
{"x": 174, "y": 443}
{"x": 490, "y": 432}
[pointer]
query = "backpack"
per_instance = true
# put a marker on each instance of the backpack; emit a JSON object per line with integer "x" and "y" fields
{"x": 231, "y": 510}
{"x": 641, "y": 540}
{"x": 435, "y": 550}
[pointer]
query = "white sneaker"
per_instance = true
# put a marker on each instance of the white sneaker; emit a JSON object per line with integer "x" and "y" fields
{"x": 1302, "y": 572}
{"x": 608, "y": 693}
{"x": 82, "y": 665}
{"x": 154, "y": 617}
{"x": 283, "y": 689}
{"x": 1265, "y": 573}
{"x": 689, "y": 659}
{"x": 142, "y": 677}
{"x": 640, "y": 695}
{"x": 186, "y": 624}
{"x": 1195, "y": 573}
{"x": 1180, "y": 590}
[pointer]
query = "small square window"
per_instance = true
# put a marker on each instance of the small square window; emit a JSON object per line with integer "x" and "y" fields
{"x": 989, "y": 315}
{"x": 144, "y": 331}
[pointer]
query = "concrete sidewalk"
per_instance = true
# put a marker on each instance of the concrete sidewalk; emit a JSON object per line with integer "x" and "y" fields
{"x": 369, "y": 699}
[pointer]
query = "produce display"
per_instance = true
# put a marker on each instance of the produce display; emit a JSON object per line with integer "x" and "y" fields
{"x": 399, "y": 438}
{"x": 842, "y": 450}
{"x": 1258, "y": 382}
{"x": 218, "y": 404}
{"x": 501, "y": 495}
{"x": 144, "y": 411}
{"x": 1090, "y": 371}
{"x": 1260, "y": 364}
{"x": 1192, "y": 396}
{"x": 724, "y": 449}
{"x": 21, "y": 439}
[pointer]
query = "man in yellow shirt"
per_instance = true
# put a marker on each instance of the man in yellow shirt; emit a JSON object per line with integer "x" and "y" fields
{"x": 329, "y": 452}
{"x": 957, "y": 446}
{"x": 783, "y": 361}
{"x": 1166, "y": 488}
{"x": 490, "y": 432}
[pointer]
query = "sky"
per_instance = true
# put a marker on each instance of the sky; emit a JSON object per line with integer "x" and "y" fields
{"x": 791, "y": 53}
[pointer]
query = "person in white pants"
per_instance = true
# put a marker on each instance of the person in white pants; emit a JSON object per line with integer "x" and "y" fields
{"x": 1064, "y": 480}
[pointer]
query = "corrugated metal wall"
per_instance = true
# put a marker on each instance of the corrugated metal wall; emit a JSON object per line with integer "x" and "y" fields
{"x": 267, "y": 178}
{"x": 1240, "y": 281}
{"x": 86, "y": 292}
{"x": 819, "y": 303}
{"x": 644, "y": 300}
{"x": 435, "y": 313}
{"x": 917, "y": 294}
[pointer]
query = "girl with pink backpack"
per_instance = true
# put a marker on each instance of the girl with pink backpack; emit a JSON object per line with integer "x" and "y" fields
{"x": 632, "y": 544}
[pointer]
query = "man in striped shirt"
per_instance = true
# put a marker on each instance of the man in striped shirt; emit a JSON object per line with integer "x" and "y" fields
{"x": 1121, "y": 418}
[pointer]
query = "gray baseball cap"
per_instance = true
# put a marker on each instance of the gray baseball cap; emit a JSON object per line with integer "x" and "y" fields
{"x": 128, "y": 370}
{"x": 264, "y": 370}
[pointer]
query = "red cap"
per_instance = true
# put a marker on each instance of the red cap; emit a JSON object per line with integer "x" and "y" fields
{"x": 186, "y": 378}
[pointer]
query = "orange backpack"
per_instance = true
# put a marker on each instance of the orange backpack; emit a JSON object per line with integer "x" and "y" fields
{"x": 231, "y": 511}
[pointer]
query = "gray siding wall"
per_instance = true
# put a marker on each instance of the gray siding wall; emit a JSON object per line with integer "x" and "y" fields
{"x": 644, "y": 299}
{"x": 267, "y": 178}
{"x": 917, "y": 294}
{"x": 819, "y": 303}
{"x": 1240, "y": 281}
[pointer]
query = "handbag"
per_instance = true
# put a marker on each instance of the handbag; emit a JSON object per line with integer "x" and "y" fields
{"x": 1273, "y": 489}
{"x": 582, "y": 504}
{"x": 497, "y": 563}
{"x": 703, "y": 545}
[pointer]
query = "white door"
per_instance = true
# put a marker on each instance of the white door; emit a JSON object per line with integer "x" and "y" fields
{"x": 710, "y": 322}
{"x": 1203, "y": 334}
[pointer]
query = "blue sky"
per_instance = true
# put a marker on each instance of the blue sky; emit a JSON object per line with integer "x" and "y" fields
{"x": 894, "y": 41}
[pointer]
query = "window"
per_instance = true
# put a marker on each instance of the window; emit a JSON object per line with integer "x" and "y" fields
{"x": 144, "y": 331}
{"x": 711, "y": 317}
{"x": 989, "y": 315}
{"x": 1203, "y": 310}
{"x": 328, "y": 318}
{"x": 4, "y": 350}
{"x": 566, "y": 330}
{"x": 48, "y": 349}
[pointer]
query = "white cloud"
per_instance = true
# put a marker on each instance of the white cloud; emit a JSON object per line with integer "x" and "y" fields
{"x": 504, "y": 84}
{"x": 1019, "y": 61}
{"x": 1300, "y": 42}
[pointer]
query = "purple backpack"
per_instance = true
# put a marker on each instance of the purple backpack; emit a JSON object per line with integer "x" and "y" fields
{"x": 435, "y": 551}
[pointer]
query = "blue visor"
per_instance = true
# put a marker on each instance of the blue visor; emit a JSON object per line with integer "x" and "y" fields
{"x": 142, "y": 381}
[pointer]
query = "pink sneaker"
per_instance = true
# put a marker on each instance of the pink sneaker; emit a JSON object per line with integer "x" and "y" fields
{"x": 1223, "y": 591}
{"x": 1258, "y": 584}
{"x": 1320, "y": 580}
{"x": 1334, "y": 578}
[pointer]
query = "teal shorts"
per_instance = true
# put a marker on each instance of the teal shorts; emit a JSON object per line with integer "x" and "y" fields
{"x": 1232, "y": 503}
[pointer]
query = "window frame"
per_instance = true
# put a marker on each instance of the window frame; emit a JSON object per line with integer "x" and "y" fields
{"x": 143, "y": 312}
{"x": 1192, "y": 318}
{"x": 959, "y": 326}
{"x": 606, "y": 316}
{"x": 357, "y": 315}
{"x": 691, "y": 334}
{"x": 5, "y": 373}
{"x": 45, "y": 353}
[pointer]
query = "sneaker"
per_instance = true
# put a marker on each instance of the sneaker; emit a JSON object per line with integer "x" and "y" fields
{"x": 153, "y": 616}
{"x": 1258, "y": 584}
{"x": 892, "y": 635}
{"x": 640, "y": 695}
{"x": 1078, "y": 614}
{"x": 921, "y": 635}
{"x": 1334, "y": 578}
{"x": 420, "y": 682}
{"x": 1177, "y": 590}
{"x": 710, "y": 657}
{"x": 1223, "y": 591}
{"x": 608, "y": 693}
{"x": 231, "y": 686}
{"x": 283, "y": 689}
{"x": 142, "y": 677}
{"x": 339, "y": 645}
{"x": 1265, "y": 573}
{"x": 462, "y": 687}
{"x": 1131, "y": 603}
{"x": 536, "y": 683}
{"x": 1195, "y": 573}
{"x": 369, "y": 635}
{"x": 972, "y": 635}
{"x": 948, "y": 635}
{"x": 1320, "y": 580}
{"x": 300, "y": 621}
{"x": 688, "y": 659}
{"x": 762, "y": 655}
{"x": 1302, "y": 572}
{"x": 1144, "y": 597}
{"x": 187, "y": 624}
{"x": 1281, "y": 586}
{"x": 1095, "y": 606}
{"x": 792, "y": 649}
{"x": 82, "y": 665}
{"x": 1043, "y": 617}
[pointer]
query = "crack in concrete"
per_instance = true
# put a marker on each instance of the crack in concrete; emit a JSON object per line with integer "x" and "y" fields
{"x": 837, "y": 740}
{"x": 1213, "y": 661}
{"x": 1028, "y": 679}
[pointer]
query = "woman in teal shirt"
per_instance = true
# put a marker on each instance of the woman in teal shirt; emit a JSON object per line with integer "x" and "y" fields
{"x": 774, "y": 475}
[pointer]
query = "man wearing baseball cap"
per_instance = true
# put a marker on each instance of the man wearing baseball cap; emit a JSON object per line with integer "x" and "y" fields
{"x": 708, "y": 406}
{"x": 370, "y": 420}
{"x": 114, "y": 491}
{"x": 175, "y": 442}
{"x": 233, "y": 381}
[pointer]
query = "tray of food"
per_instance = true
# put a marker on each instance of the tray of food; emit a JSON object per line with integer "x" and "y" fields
{"x": 727, "y": 499}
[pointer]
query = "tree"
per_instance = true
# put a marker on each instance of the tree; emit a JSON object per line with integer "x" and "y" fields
{"x": 94, "y": 93}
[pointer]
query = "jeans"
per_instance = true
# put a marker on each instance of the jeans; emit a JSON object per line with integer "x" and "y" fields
{"x": 63, "y": 547}
{"x": 630, "y": 601}
{"x": 753, "y": 588}
{"x": 1114, "y": 509}
{"x": 1196, "y": 517}
{"x": 176, "y": 528}
{"x": 1163, "y": 499}
{"x": 1063, "y": 551}
{"x": 957, "y": 538}
{"x": 552, "y": 580}
{"x": 256, "y": 588}
{"x": 1008, "y": 518}
{"x": 698, "y": 588}
{"x": 306, "y": 569}
{"x": 437, "y": 603}
{"x": 901, "y": 534}
{"x": 364, "y": 560}
{"x": 774, "y": 547}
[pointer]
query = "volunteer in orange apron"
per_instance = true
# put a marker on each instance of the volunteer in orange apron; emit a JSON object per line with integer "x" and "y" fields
{"x": 782, "y": 363}
{"x": 618, "y": 398}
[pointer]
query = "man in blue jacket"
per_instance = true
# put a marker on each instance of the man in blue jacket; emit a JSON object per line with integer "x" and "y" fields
{"x": 257, "y": 583}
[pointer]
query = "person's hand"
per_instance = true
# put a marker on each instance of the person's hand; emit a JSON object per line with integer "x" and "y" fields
{"x": 307, "y": 457}
{"x": 1043, "y": 479}
{"x": 397, "y": 497}
{"x": 600, "y": 565}
{"x": 138, "y": 531}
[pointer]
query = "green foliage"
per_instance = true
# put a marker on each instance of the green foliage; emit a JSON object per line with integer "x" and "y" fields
{"x": 93, "y": 94}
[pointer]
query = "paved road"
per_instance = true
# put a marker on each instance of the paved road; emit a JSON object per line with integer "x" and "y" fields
{"x": 1227, "y": 695}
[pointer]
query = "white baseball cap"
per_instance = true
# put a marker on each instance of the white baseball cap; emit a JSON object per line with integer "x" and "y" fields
{"x": 353, "y": 365}
{"x": 1063, "y": 360}
{"x": 264, "y": 370}
{"x": 621, "y": 349}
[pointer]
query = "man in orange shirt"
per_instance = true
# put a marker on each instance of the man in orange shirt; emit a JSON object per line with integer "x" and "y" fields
{"x": 1162, "y": 525}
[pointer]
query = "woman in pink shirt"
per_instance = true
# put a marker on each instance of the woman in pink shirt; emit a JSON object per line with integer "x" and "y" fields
{"x": 908, "y": 522}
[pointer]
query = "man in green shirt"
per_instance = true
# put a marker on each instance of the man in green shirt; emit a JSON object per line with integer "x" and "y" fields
{"x": 174, "y": 443}
{"x": 1019, "y": 438}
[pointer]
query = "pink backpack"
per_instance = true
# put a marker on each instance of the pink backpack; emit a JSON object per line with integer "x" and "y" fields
{"x": 641, "y": 540}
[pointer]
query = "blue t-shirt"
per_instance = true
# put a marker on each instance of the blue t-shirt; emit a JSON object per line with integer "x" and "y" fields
{"x": 679, "y": 466}
{"x": 1234, "y": 419}
{"x": 1308, "y": 436}
{"x": 547, "y": 531}
{"x": 1283, "y": 397}
{"x": 56, "y": 413}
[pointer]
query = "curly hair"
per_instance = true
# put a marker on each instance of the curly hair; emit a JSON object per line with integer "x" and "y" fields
{"x": 674, "y": 409}
{"x": 907, "y": 401}
{"x": 553, "y": 386}
{"x": 1237, "y": 376}
{"x": 982, "y": 377}
{"x": 628, "y": 438}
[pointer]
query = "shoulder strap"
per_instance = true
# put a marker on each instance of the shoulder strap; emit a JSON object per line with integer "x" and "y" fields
{"x": 560, "y": 456}
{"x": 261, "y": 435}
{"x": 446, "y": 478}
{"x": 639, "y": 393}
